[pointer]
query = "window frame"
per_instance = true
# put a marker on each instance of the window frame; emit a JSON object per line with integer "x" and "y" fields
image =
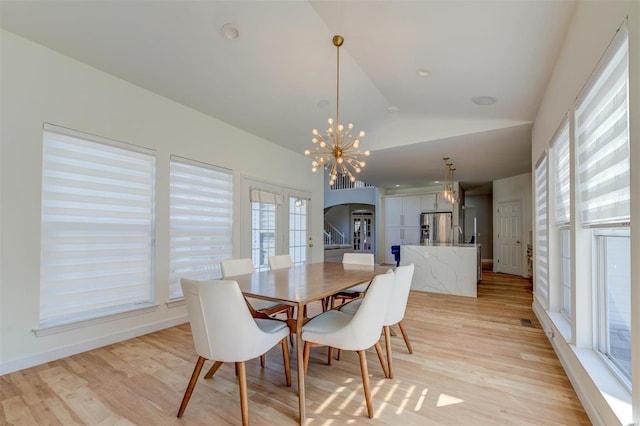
{"x": 201, "y": 199}
{"x": 67, "y": 183}
{"x": 601, "y": 301}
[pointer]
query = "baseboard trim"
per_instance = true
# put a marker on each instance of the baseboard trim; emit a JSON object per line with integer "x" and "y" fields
{"x": 52, "y": 355}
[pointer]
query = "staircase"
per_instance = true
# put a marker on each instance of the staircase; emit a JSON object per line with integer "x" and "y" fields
{"x": 334, "y": 237}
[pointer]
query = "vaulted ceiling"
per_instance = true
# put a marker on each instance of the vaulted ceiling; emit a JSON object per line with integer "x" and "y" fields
{"x": 277, "y": 79}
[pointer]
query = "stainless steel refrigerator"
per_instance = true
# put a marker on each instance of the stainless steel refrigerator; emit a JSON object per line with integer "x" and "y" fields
{"x": 435, "y": 227}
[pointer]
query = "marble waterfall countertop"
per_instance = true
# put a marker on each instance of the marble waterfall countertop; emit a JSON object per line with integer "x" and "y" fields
{"x": 443, "y": 268}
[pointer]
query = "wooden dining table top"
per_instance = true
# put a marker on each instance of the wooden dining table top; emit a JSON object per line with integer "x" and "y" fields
{"x": 305, "y": 283}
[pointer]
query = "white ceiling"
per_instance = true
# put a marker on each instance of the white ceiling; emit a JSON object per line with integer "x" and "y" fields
{"x": 273, "y": 79}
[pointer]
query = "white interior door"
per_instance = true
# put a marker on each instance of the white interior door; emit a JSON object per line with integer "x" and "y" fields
{"x": 509, "y": 238}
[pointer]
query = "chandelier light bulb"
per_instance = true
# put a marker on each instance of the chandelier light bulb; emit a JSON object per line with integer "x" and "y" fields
{"x": 350, "y": 126}
{"x": 330, "y": 121}
{"x": 323, "y": 144}
{"x": 361, "y": 134}
{"x": 366, "y": 153}
{"x": 339, "y": 160}
{"x": 315, "y": 132}
{"x": 340, "y": 127}
{"x": 307, "y": 152}
{"x": 356, "y": 143}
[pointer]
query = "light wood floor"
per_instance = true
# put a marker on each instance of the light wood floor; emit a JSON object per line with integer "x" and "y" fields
{"x": 473, "y": 364}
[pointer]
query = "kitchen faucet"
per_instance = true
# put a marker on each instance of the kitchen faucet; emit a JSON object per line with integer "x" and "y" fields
{"x": 452, "y": 233}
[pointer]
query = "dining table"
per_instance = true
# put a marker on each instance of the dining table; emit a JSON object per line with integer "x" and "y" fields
{"x": 300, "y": 285}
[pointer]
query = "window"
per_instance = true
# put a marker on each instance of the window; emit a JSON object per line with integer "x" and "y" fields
{"x": 614, "y": 301}
{"x": 561, "y": 185}
{"x": 263, "y": 226}
{"x": 603, "y": 188}
{"x": 97, "y": 241}
{"x": 541, "y": 245}
{"x": 298, "y": 229}
{"x": 201, "y": 221}
{"x": 602, "y": 137}
{"x": 565, "y": 272}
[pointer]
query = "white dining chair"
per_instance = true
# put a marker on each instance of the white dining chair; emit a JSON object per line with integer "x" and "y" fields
{"x": 280, "y": 261}
{"x": 354, "y": 292}
{"x": 356, "y": 332}
{"x": 233, "y": 267}
{"x": 395, "y": 311}
{"x": 224, "y": 331}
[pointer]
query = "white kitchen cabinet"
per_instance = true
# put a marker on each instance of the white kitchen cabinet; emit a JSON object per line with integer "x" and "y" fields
{"x": 402, "y": 210}
{"x": 428, "y": 202}
{"x": 435, "y": 202}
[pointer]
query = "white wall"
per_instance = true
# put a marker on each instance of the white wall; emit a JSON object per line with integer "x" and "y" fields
{"x": 40, "y": 85}
{"x": 512, "y": 189}
{"x": 592, "y": 28}
{"x": 484, "y": 222}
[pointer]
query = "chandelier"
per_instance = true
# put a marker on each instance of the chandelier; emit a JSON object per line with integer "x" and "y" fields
{"x": 449, "y": 193}
{"x": 338, "y": 150}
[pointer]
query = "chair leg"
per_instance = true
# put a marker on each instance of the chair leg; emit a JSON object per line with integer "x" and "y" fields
{"x": 307, "y": 350}
{"x": 285, "y": 359}
{"x": 365, "y": 382}
{"x": 213, "y": 369}
{"x": 406, "y": 337}
{"x": 262, "y": 360}
{"x": 242, "y": 384}
{"x": 191, "y": 385}
{"x": 383, "y": 364}
{"x": 387, "y": 343}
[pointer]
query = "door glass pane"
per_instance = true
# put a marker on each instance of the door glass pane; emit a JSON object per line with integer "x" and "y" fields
{"x": 263, "y": 234}
{"x": 298, "y": 229}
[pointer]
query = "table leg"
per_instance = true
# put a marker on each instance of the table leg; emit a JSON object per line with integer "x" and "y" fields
{"x": 300, "y": 359}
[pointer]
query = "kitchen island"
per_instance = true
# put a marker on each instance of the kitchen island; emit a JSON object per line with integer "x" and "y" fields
{"x": 444, "y": 268}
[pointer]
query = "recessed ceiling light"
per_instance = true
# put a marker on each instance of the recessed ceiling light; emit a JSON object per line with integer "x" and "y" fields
{"x": 393, "y": 108}
{"x": 397, "y": 185}
{"x": 230, "y": 31}
{"x": 436, "y": 181}
{"x": 483, "y": 100}
{"x": 423, "y": 72}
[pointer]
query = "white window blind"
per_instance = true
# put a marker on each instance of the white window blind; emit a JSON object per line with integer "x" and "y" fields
{"x": 602, "y": 136}
{"x": 267, "y": 197}
{"x": 541, "y": 245}
{"x": 201, "y": 221}
{"x": 97, "y": 236}
{"x": 560, "y": 147}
